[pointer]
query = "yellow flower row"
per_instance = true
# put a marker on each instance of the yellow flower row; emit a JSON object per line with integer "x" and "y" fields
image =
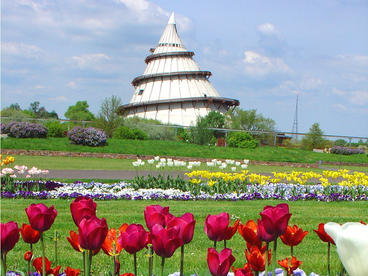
{"x": 341, "y": 177}
{"x": 9, "y": 159}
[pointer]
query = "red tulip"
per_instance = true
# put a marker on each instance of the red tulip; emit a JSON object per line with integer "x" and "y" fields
{"x": 127, "y": 274}
{"x": 293, "y": 235}
{"x": 92, "y": 233}
{"x": 245, "y": 271}
{"x": 71, "y": 271}
{"x": 74, "y": 242}
{"x": 165, "y": 241}
{"x": 290, "y": 268}
{"x": 111, "y": 242}
{"x": 9, "y": 236}
{"x": 256, "y": 259}
{"x": 322, "y": 234}
{"x": 215, "y": 226}
{"x": 219, "y": 264}
{"x": 82, "y": 207}
{"x": 40, "y": 217}
{"x": 186, "y": 225}
{"x": 262, "y": 234}
{"x": 249, "y": 233}
{"x": 275, "y": 219}
{"x": 156, "y": 214}
{"x": 28, "y": 256}
{"x": 29, "y": 234}
{"x": 231, "y": 230}
{"x": 37, "y": 263}
{"x": 134, "y": 239}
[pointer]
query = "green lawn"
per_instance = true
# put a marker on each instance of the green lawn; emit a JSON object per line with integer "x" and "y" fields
{"x": 87, "y": 163}
{"x": 306, "y": 214}
{"x": 172, "y": 148}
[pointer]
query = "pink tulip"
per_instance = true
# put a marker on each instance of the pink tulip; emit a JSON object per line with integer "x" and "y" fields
{"x": 9, "y": 236}
{"x": 134, "y": 238}
{"x": 92, "y": 233}
{"x": 219, "y": 264}
{"x": 156, "y": 214}
{"x": 275, "y": 219}
{"x": 262, "y": 234}
{"x": 165, "y": 241}
{"x": 82, "y": 207}
{"x": 40, "y": 216}
{"x": 186, "y": 225}
{"x": 215, "y": 226}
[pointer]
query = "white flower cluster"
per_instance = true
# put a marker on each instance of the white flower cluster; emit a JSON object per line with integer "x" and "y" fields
{"x": 18, "y": 171}
{"x": 159, "y": 162}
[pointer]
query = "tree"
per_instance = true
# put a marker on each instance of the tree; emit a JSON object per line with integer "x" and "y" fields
{"x": 314, "y": 138}
{"x": 249, "y": 120}
{"x": 108, "y": 119}
{"x": 79, "y": 112}
{"x": 201, "y": 134}
{"x": 15, "y": 106}
{"x": 41, "y": 112}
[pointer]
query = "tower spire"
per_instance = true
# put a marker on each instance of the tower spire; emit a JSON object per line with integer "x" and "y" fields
{"x": 172, "y": 19}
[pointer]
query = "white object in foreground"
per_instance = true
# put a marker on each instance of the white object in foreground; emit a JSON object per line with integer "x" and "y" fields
{"x": 351, "y": 241}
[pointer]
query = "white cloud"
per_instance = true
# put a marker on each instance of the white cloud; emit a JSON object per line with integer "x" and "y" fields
{"x": 310, "y": 83}
{"x": 21, "y": 49}
{"x": 59, "y": 99}
{"x": 267, "y": 29}
{"x": 90, "y": 60}
{"x": 340, "y": 107}
{"x": 38, "y": 86}
{"x": 355, "y": 97}
{"x": 256, "y": 64}
{"x": 72, "y": 84}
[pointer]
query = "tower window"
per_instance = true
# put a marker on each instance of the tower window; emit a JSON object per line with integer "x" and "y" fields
{"x": 140, "y": 92}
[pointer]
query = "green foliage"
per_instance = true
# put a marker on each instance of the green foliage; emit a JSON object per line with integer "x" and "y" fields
{"x": 314, "y": 138}
{"x": 79, "y": 112}
{"x": 55, "y": 129}
{"x": 124, "y": 132}
{"x": 108, "y": 119}
{"x": 152, "y": 128}
{"x": 242, "y": 140}
{"x": 340, "y": 142}
{"x": 201, "y": 134}
{"x": 15, "y": 114}
{"x": 41, "y": 112}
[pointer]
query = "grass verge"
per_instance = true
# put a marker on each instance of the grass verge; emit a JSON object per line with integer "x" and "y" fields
{"x": 173, "y": 148}
{"x": 305, "y": 214}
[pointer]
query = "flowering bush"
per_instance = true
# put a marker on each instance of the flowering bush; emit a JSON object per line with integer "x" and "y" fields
{"x": 346, "y": 150}
{"x": 25, "y": 130}
{"x": 5, "y": 128}
{"x": 87, "y": 136}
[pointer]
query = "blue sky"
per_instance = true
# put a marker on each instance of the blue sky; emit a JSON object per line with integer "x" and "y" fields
{"x": 263, "y": 53}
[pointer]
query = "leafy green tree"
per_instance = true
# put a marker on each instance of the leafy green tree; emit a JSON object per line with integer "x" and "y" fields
{"x": 15, "y": 106}
{"x": 249, "y": 120}
{"x": 314, "y": 138}
{"x": 41, "y": 112}
{"x": 79, "y": 112}
{"x": 201, "y": 134}
{"x": 108, "y": 119}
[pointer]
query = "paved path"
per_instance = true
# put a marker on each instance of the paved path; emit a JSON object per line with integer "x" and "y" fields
{"x": 103, "y": 174}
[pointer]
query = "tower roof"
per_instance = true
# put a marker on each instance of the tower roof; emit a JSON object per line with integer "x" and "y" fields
{"x": 170, "y": 40}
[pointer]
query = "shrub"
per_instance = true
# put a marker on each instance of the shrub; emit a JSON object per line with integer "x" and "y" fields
{"x": 87, "y": 136}
{"x": 124, "y": 132}
{"x": 242, "y": 140}
{"x": 346, "y": 150}
{"x": 55, "y": 129}
{"x": 27, "y": 130}
{"x": 5, "y": 128}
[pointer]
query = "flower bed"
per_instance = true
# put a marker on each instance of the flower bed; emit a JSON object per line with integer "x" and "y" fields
{"x": 122, "y": 190}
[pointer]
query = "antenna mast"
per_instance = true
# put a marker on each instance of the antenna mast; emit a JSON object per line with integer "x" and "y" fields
{"x": 295, "y": 122}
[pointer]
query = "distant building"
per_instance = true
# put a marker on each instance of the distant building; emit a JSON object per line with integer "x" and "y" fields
{"x": 173, "y": 89}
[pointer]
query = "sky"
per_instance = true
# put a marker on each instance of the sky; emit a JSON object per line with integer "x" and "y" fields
{"x": 263, "y": 53}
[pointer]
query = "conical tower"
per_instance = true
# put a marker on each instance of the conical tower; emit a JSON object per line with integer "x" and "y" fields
{"x": 173, "y": 89}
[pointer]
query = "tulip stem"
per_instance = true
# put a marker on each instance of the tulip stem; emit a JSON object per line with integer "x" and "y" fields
{"x": 135, "y": 264}
{"x": 89, "y": 262}
{"x": 162, "y": 266}
{"x": 29, "y": 263}
{"x": 292, "y": 251}
{"x": 3, "y": 263}
{"x": 182, "y": 261}
{"x": 150, "y": 260}
{"x": 267, "y": 259}
{"x": 43, "y": 255}
{"x": 56, "y": 239}
{"x": 328, "y": 258}
{"x": 274, "y": 260}
{"x": 84, "y": 262}
{"x": 214, "y": 244}
{"x": 224, "y": 243}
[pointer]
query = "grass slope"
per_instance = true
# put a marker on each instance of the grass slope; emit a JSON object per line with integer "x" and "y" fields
{"x": 90, "y": 163}
{"x": 305, "y": 214}
{"x": 173, "y": 148}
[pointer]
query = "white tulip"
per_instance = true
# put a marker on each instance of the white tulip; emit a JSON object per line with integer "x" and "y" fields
{"x": 244, "y": 166}
{"x": 237, "y": 163}
{"x": 157, "y": 158}
{"x": 246, "y": 161}
{"x": 7, "y": 171}
{"x": 190, "y": 167}
{"x": 233, "y": 169}
{"x": 351, "y": 241}
{"x": 150, "y": 161}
